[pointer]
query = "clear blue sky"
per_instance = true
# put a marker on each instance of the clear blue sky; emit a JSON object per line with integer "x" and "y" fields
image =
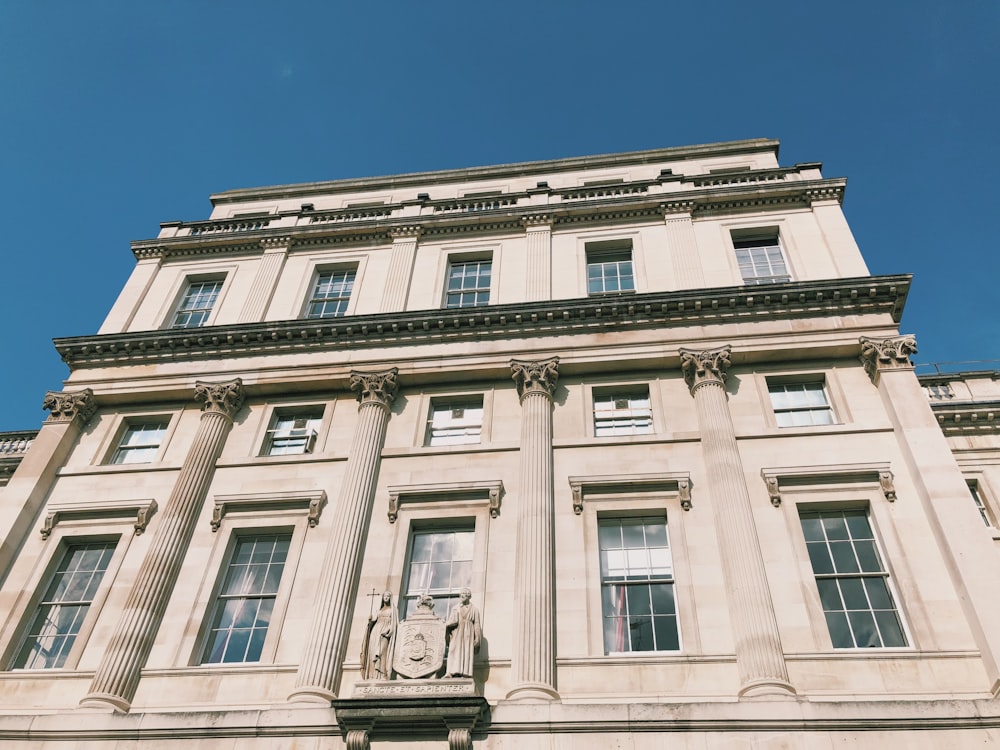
{"x": 115, "y": 116}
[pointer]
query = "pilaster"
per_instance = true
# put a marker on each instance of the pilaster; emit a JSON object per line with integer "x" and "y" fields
{"x": 682, "y": 245}
{"x": 268, "y": 269}
{"x": 941, "y": 490}
{"x": 24, "y": 495}
{"x": 117, "y": 676}
{"x": 759, "y": 656}
{"x": 533, "y": 648}
{"x": 318, "y": 678}
{"x": 397, "y": 283}
{"x": 538, "y": 234}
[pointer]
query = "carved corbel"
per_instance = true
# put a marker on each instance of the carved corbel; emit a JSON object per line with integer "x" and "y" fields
{"x": 886, "y": 354}
{"x": 460, "y": 738}
{"x": 773, "y": 491}
{"x": 535, "y": 377}
{"x": 277, "y": 243}
{"x": 885, "y": 483}
{"x": 408, "y": 232}
{"x": 375, "y": 387}
{"x": 705, "y": 366}
{"x": 142, "y": 517}
{"x": 141, "y": 510}
{"x": 357, "y": 739}
{"x": 674, "y": 209}
{"x": 495, "y": 500}
{"x": 577, "y": 489}
{"x": 65, "y": 406}
{"x": 393, "y": 505}
{"x": 220, "y": 398}
{"x": 536, "y": 220}
{"x": 684, "y": 493}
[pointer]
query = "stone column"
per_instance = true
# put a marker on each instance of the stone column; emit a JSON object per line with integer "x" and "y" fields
{"x": 759, "y": 657}
{"x": 318, "y": 678}
{"x": 397, "y": 284}
{"x": 682, "y": 245}
{"x": 533, "y": 657}
{"x": 117, "y": 676}
{"x": 941, "y": 491}
{"x": 538, "y": 233}
{"x": 271, "y": 262}
{"x": 25, "y": 493}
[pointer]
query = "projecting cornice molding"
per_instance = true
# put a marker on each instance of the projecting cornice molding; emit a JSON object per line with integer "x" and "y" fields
{"x": 970, "y": 418}
{"x": 854, "y": 296}
{"x": 636, "y": 202}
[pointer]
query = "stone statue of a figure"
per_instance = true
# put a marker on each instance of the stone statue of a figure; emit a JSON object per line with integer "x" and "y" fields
{"x": 380, "y": 642}
{"x": 465, "y": 634}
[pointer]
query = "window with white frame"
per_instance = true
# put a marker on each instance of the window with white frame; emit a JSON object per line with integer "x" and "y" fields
{"x": 59, "y": 616}
{"x": 854, "y": 586}
{"x": 637, "y": 585}
{"x": 622, "y": 411}
{"x": 196, "y": 304}
{"x": 331, "y": 293}
{"x": 760, "y": 259}
{"x": 468, "y": 283}
{"x": 293, "y": 431}
{"x": 140, "y": 442}
{"x": 455, "y": 421}
{"x": 242, "y": 611}
{"x": 609, "y": 267}
{"x": 439, "y": 564}
{"x": 800, "y": 403}
{"x": 977, "y": 498}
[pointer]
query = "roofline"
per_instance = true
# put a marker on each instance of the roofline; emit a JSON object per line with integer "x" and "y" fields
{"x": 518, "y": 169}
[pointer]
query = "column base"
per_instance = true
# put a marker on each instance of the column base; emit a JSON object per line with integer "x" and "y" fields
{"x": 529, "y": 693}
{"x": 105, "y": 703}
{"x": 767, "y": 688}
{"x": 313, "y": 695}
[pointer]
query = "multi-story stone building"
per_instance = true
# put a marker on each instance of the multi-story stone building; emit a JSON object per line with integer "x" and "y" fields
{"x": 650, "y": 408}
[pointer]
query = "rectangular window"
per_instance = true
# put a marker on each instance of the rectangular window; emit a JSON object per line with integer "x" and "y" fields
{"x": 609, "y": 267}
{"x": 977, "y": 498}
{"x": 197, "y": 303}
{"x": 440, "y": 564}
{"x": 800, "y": 404}
{"x": 637, "y": 585}
{"x": 852, "y": 581}
{"x": 64, "y": 606}
{"x": 469, "y": 283}
{"x": 242, "y": 612}
{"x": 331, "y": 293}
{"x": 622, "y": 412}
{"x": 293, "y": 432}
{"x": 760, "y": 260}
{"x": 140, "y": 442}
{"x": 455, "y": 421}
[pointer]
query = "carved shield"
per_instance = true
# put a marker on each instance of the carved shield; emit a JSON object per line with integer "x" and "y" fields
{"x": 419, "y": 645}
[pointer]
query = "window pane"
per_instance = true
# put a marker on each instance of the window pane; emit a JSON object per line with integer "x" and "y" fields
{"x": 447, "y": 570}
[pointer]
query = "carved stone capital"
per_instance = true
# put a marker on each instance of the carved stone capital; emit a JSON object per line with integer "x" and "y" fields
{"x": 220, "y": 398}
{"x": 886, "y": 354}
{"x": 375, "y": 387}
{"x": 65, "y": 406}
{"x": 277, "y": 243}
{"x": 410, "y": 232}
{"x": 536, "y": 220}
{"x": 705, "y": 366}
{"x": 535, "y": 377}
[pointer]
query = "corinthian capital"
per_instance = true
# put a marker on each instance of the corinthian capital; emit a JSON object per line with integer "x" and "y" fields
{"x": 220, "y": 398}
{"x": 886, "y": 354}
{"x": 66, "y": 406}
{"x": 705, "y": 366}
{"x": 535, "y": 377}
{"x": 375, "y": 387}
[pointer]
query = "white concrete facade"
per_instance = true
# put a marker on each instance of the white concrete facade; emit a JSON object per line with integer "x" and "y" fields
{"x": 737, "y": 376}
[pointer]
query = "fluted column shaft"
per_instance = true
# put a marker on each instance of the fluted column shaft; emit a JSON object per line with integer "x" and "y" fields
{"x": 533, "y": 648}
{"x": 318, "y": 678}
{"x": 397, "y": 284}
{"x": 759, "y": 655}
{"x": 259, "y": 297}
{"x": 683, "y": 248}
{"x": 117, "y": 677}
{"x": 538, "y": 236}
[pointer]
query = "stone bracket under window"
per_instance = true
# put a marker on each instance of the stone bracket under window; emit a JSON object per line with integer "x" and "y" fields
{"x": 141, "y": 510}
{"x": 824, "y": 476}
{"x": 313, "y": 500}
{"x": 490, "y": 490}
{"x": 673, "y": 482}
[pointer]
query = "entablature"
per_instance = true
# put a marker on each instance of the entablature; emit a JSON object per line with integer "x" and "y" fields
{"x": 829, "y": 297}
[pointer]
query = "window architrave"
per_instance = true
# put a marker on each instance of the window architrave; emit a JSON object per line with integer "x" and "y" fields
{"x": 120, "y": 425}
{"x": 430, "y": 397}
{"x": 270, "y": 413}
{"x": 590, "y": 244}
{"x": 828, "y": 377}
{"x": 465, "y": 253}
{"x": 311, "y": 274}
{"x": 187, "y": 274}
{"x": 769, "y": 226}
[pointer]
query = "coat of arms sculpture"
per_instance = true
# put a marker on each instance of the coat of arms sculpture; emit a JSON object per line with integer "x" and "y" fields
{"x": 420, "y": 641}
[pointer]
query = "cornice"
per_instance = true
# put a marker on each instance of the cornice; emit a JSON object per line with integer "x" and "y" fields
{"x": 517, "y": 169}
{"x": 968, "y": 418}
{"x": 638, "y": 206}
{"x": 851, "y": 296}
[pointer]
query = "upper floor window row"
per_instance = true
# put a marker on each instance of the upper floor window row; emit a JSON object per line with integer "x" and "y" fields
{"x": 760, "y": 258}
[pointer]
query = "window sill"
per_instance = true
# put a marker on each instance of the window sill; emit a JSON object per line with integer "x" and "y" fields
{"x": 70, "y": 471}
